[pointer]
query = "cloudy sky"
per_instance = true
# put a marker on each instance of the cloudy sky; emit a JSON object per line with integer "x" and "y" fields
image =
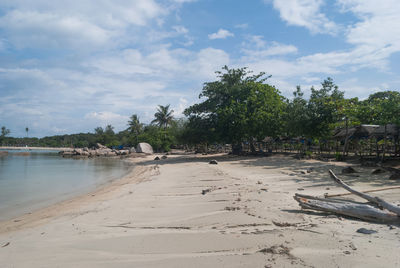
{"x": 69, "y": 66}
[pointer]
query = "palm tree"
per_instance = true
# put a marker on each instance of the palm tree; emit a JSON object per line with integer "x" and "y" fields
{"x": 163, "y": 116}
{"x": 135, "y": 127}
{"x": 27, "y": 130}
{"x": 134, "y": 124}
{"x": 4, "y": 131}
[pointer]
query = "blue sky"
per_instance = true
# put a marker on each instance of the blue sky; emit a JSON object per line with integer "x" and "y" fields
{"x": 70, "y": 66}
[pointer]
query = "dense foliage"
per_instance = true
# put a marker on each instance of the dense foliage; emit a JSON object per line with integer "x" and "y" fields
{"x": 238, "y": 107}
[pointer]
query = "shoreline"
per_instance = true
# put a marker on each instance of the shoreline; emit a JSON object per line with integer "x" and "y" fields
{"x": 184, "y": 212}
{"x": 35, "y": 148}
{"x": 60, "y": 208}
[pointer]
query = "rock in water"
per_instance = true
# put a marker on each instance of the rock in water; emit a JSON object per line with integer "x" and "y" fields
{"x": 78, "y": 151}
{"x": 123, "y": 152}
{"x": 348, "y": 170}
{"x": 144, "y": 147}
{"x": 164, "y": 157}
{"x": 157, "y": 158}
{"x": 213, "y": 162}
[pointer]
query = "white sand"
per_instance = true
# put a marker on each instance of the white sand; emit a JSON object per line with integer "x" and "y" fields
{"x": 158, "y": 217}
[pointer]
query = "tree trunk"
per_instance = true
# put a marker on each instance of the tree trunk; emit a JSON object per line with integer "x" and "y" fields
{"x": 375, "y": 200}
{"x": 237, "y": 148}
{"x": 346, "y": 140}
{"x": 384, "y": 144}
{"x": 346, "y": 208}
{"x": 376, "y": 210}
{"x": 252, "y": 147}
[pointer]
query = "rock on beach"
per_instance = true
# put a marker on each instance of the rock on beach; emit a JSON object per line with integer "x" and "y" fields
{"x": 144, "y": 147}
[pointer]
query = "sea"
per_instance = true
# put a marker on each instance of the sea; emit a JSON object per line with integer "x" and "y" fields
{"x": 34, "y": 179}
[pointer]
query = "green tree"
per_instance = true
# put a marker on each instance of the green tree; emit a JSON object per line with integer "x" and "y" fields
{"x": 135, "y": 127}
{"x": 324, "y": 109}
{"x": 99, "y": 131}
{"x": 296, "y": 117}
{"x": 380, "y": 108}
{"x": 109, "y": 130}
{"x": 163, "y": 116}
{"x": 158, "y": 138}
{"x": 110, "y": 140}
{"x": 238, "y": 107}
{"x": 4, "y": 131}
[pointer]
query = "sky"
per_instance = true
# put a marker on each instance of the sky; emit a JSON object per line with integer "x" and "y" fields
{"x": 70, "y": 66}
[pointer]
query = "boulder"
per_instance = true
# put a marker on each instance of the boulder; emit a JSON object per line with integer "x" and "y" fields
{"x": 144, "y": 147}
{"x": 67, "y": 153}
{"x": 100, "y": 146}
{"x": 78, "y": 151}
{"x": 105, "y": 152}
{"x": 394, "y": 176}
{"x": 348, "y": 170}
{"x": 378, "y": 171}
{"x": 213, "y": 162}
{"x": 157, "y": 158}
{"x": 110, "y": 153}
{"x": 123, "y": 152}
{"x": 164, "y": 157}
{"x": 84, "y": 153}
{"x": 132, "y": 150}
{"x": 366, "y": 231}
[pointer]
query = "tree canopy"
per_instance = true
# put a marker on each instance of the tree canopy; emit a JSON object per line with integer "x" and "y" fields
{"x": 237, "y": 107}
{"x": 163, "y": 116}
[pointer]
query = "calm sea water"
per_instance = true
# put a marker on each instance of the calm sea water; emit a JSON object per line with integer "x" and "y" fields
{"x": 43, "y": 178}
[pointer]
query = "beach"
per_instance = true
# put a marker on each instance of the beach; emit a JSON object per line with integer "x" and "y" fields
{"x": 184, "y": 212}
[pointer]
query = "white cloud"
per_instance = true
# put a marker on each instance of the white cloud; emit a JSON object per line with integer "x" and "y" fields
{"x": 305, "y": 13}
{"x": 184, "y": 1}
{"x": 255, "y": 48}
{"x": 180, "y": 29}
{"x": 50, "y": 30}
{"x": 106, "y": 117}
{"x": 182, "y": 105}
{"x": 208, "y": 61}
{"x": 105, "y": 89}
{"x": 242, "y": 26}
{"x": 378, "y": 31}
{"x": 73, "y": 24}
{"x": 221, "y": 34}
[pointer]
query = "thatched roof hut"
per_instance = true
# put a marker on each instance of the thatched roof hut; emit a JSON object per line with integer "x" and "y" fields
{"x": 391, "y": 131}
{"x": 367, "y": 131}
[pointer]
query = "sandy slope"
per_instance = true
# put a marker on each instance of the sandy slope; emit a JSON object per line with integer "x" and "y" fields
{"x": 158, "y": 217}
